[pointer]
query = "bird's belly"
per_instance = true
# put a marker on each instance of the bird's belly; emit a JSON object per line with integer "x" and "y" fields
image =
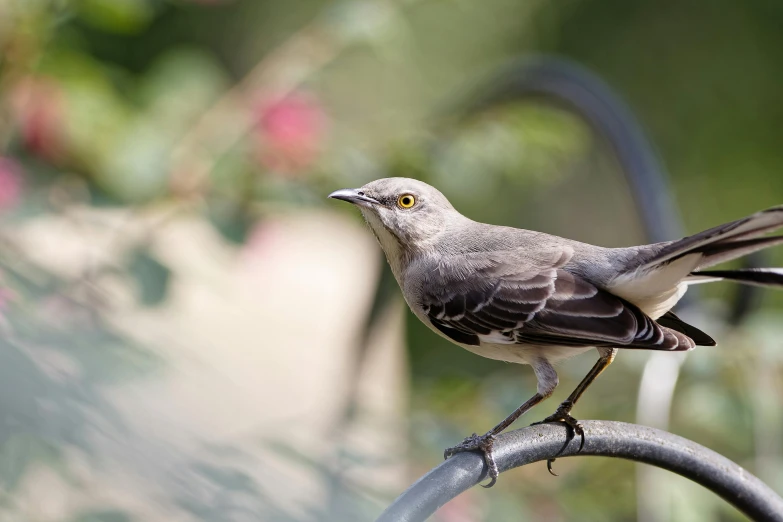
{"x": 526, "y": 354}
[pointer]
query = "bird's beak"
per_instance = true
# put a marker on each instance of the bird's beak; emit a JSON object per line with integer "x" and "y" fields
{"x": 354, "y": 196}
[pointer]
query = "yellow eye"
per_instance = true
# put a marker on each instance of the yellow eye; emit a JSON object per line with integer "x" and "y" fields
{"x": 406, "y": 201}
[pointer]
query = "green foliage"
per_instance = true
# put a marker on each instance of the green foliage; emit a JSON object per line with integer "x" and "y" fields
{"x": 151, "y": 275}
{"x": 119, "y": 16}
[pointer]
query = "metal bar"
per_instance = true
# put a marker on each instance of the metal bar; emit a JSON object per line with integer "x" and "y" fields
{"x": 604, "y": 439}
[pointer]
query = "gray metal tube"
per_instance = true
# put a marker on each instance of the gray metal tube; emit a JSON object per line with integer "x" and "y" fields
{"x": 605, "y": 439}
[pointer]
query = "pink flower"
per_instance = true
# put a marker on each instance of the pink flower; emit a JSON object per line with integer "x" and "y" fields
{"x": 37, "y": 105}
{"x": 10, "y": 184}
{"x": 290, "y": 130}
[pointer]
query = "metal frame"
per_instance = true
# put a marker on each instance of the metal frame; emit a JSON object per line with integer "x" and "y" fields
{"x": 605, "y": 439}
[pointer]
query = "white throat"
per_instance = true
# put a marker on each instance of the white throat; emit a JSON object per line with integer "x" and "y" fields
{"x": 389, "y": 243}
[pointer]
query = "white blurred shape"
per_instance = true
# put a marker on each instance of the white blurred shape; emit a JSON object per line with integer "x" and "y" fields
{"x": 259, "y": 347}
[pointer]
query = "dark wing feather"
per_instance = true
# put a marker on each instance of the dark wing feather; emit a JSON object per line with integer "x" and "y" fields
{"x": 670, "y": 320}
{"x": 495, "y": 304}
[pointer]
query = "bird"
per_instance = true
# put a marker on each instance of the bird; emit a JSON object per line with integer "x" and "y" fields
{"x": 533, "y": 298}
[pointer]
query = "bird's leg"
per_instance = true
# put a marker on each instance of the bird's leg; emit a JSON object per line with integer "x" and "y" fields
{"x": 547, "y": 381}
{"x": 563, "y": 412}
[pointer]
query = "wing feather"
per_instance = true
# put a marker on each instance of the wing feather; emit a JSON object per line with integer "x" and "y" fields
{"x": 548, "y": 306}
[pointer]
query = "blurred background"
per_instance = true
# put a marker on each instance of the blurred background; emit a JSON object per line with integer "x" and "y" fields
{"x": 191, "y": 331}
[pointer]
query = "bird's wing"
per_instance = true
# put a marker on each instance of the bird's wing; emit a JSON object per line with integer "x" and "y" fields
{"x": 496, "y": 304}
{"x": 670, "y": 320}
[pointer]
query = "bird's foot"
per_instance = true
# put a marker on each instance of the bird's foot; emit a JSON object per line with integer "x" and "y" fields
{"x": 563, "y": 414}
{"x": 484, "y": 444}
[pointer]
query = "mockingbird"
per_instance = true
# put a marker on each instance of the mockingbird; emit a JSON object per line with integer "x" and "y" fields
{"x": 532, "y": 298}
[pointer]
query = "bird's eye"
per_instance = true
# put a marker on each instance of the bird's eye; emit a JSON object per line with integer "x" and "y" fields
{"x": 406, "y": 201}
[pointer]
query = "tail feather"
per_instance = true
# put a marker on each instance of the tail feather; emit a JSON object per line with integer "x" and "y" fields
{"x": 652, "y": 278}
{"x": 727, "y": 250}
{"x": 768, "y": 277}
{"x": 718, "y": 240}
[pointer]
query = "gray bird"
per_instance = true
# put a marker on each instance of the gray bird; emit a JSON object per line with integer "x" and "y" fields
{"x": 527, "y": 297}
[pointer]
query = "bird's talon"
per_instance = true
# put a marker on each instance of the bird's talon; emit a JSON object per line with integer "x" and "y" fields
{"x": 483, "y": 443}
{"x": 492, "y": 482}
{"x": 549, "y": 467}
{"x": 561, "y": 415}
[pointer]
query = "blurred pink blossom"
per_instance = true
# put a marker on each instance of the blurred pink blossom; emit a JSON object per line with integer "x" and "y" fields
{"x": 38, "y": 107}
{"x": 291, "y": 130}
{"x": 10, "y": 184}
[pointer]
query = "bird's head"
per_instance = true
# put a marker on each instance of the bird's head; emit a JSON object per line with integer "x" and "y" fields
{"x": 403, "y": 213}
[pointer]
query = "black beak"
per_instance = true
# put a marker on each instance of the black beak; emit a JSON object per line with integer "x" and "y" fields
{"x": 354, "y": 196}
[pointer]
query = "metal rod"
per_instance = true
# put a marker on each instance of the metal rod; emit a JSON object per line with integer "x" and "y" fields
{"x": 604, "y": 439}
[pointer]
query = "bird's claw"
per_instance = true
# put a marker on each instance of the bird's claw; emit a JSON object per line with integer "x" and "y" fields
{"x": 562, "y": 414}
{"x": 483, "y": 443}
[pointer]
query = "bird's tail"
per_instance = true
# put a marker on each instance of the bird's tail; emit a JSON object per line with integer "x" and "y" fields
{"x": 653, "y": 284}
{"x": 769, "y": 277}
{"x": 724, "y": 243}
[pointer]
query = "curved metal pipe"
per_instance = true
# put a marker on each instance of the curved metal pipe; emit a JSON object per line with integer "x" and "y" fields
{"x": 605, "y": 439}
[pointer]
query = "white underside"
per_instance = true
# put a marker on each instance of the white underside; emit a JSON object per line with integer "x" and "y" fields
{"x": 656, "y": 292}
{"x": 526, "y": 354}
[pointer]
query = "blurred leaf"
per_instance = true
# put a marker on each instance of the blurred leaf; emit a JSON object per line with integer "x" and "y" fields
{"x": 152, "y": 276}
{"x": 231, "y": 220}
{"x": 118, "y": 16}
